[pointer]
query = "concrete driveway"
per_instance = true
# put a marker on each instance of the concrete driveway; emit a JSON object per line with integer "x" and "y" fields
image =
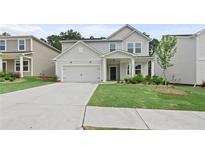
{"x": 54, "y": 106}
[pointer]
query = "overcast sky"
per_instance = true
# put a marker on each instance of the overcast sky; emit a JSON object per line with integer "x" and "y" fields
{"x": 44, "y": 30}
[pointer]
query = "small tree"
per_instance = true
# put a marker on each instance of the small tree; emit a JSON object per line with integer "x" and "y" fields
{"x": 165, "y": 51}
{"x": 5, "y": 34}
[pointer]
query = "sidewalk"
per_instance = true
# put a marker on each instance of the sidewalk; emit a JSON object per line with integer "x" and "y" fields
{"x": 143, "y": 118}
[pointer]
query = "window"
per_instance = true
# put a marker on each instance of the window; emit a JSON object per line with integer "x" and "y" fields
{"x": 128, "y": 69}
{"x": 25, "y": 65}
{"x": 150, "y": 68}
{"x": 2, "y": 45}
{"x": 17, "y": 63}
{"x": 21, "y": 44}
{"x": 112, "y": 47}
{"x": 130, "y": 47}
{"x": 137, "y": 47}
{"x": 137, "y": 69}
{"x": 134, "y": 47}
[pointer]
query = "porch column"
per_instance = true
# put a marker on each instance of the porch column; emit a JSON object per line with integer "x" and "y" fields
{"x": 152, "y": 68}
{"x": 1, "y": 64}
{"x": 130, "y": 68}
{"x": 104, "y": 69}
{"x": 21, "y": 66}
{"x": 133, "y": 66}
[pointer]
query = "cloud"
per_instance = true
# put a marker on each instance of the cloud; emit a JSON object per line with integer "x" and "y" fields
{"x": 21, "y": 29}
{"x": 97, "y": 30}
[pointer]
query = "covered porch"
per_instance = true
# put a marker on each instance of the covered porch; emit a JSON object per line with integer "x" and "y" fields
{"x": 21, "y": 63}
{"x": 119, "y": 65}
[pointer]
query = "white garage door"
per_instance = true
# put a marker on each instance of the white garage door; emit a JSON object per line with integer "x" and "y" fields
{"x": 81, "y": 73}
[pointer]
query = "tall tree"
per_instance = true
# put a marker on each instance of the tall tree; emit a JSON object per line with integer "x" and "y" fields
{"x": 165, "y": 51}
{"x": 54, "y": 40}
{"x": 92, "y": 37}
{"x": 5, "y": 34}
{"x": 42, "y": 39}
{"x": 153, "y": 45}
{"x": 146, "y": 34}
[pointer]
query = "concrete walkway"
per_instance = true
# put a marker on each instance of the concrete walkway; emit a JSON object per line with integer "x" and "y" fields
{"x": 143, "y": 118}
{"x": 54, "y": 106}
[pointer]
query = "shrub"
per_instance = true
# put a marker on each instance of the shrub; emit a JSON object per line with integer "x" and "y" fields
{"x": 157, "y": 80}
{"x": 148, "y": 79}
{"x": 138, "y": 78}
{"x": 16, "y": 75}
{"x": 203, "y": 84}
{"x": 2, "y": 79}
{"x": 132, "y": 80}
{"x": 126, "y": 80}
{"x": 2, "y": 74}
{"x": 55, "y": 78}
{"x": 7, "y": 76}
{"x": 12, "y": 79}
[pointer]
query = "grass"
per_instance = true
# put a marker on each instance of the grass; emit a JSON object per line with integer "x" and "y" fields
{"x": 25, "y": 84}
{"x": 104, "y": 128}
{"x": 144, "y": 96}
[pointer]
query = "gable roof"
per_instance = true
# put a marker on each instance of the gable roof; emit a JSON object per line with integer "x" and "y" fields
{"x": 133, "y": 30}
{"x": 102, "y": 40}
{"x": 190, "y": 35}
{"x": 46, "y": 44}
{"x": 121, "y": 51}
{"x": 75, "y": 44}
{"x": 199, "y": 32}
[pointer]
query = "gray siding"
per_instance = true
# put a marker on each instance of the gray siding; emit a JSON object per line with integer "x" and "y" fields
{"x": 66, "y": 45}
{"x": 201, "y": 58}
{"x": 77, "y": 56}
{"x": 121, "y": 34}
{"x": 12, "y": 44}
{"x": 103, "y": 47}
{"x": 11, "y": 66}
{"x": 137, "y": 38}
{"x": 127, "y": 34}
{"x": 42, "y": 59}
{"x": 184, "y": 69}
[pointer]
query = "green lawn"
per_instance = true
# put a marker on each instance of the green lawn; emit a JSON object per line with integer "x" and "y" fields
{"x": 142, "y": 96}
{"x": 28, "y": 83}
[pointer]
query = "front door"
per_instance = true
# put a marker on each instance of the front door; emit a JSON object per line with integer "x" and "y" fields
{"x": 4, "y": 66}
{"x": 113, "y": 73}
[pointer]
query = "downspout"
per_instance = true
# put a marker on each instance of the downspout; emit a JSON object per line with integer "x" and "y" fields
{"x": 197, "y": 46}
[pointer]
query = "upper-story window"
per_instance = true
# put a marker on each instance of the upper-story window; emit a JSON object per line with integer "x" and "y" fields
{"x": 112, "y": 47}
{"x": 138, "y": 47}
{"x": 21, "y": 44}
{"x": 130, "y": 47}
{"x": 134, "y": 47}
{"x": 2, "y": 45}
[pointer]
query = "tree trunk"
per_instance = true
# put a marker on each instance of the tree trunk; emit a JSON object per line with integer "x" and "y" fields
{"x": 165, "y": 77}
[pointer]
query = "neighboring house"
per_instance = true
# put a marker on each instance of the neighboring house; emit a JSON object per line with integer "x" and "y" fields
{"x": 189, "y": 60}
{"x": 26, "y": 55}
{"x": 121, "y": 55}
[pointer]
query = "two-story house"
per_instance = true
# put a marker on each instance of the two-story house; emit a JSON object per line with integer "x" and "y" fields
{"x": 26, "y": 55}
{"x": 121, "y": 55}
{"x": 189, "y": 60}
